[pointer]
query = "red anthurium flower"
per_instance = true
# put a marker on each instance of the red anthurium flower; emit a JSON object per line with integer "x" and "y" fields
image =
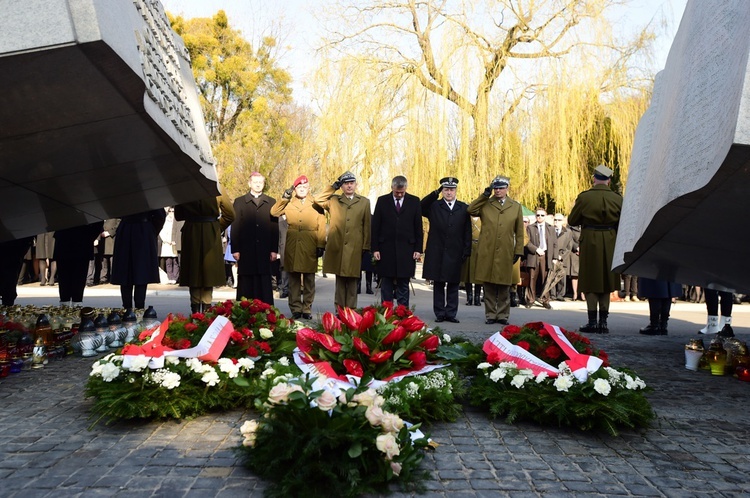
{"x": 360, "y": 346}
{"x": 418, "y": 359}
{"x": 350, "y": 318}
{"x": 354, "y": 367}
{"x": 431, "y": 343}
{"x": 402, "y": 311}
{"x": 388, "y": 305}
{"x": 368, "y": 320}
{"x": 305, "y": 339}
{"x": 330, "y": 322}
{"x": 327, "y": 341}
{"x": 381, "y": 357}
{"x": 412, "y": 323}
{"x": 395, "y": 335}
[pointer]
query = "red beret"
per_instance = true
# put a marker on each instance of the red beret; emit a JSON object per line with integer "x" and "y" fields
{"x": 300, "y": 179}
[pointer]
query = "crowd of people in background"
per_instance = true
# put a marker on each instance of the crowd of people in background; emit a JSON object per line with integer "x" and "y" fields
{"x": 266, "y": 248}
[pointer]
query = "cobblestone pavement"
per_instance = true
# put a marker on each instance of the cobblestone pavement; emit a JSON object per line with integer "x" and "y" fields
{"x": 697, "y": 446}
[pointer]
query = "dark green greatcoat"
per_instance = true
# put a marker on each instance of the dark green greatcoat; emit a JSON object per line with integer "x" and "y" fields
{"x": 202, "y": 259}
{"x": 597, "y": 211}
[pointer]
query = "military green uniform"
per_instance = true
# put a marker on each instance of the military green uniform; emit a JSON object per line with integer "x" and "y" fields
{"x": 305, "y": 234}
{"x": 597, "y": 211}
{"x": 348, "y": 236}
{"x": 500, "y": 240}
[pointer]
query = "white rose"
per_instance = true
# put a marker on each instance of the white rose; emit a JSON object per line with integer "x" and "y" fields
{"x": 391, "y": 422}
{"x": 268, "y": 372}
{"x": 484, "y": 366}
{"x": 265, "y": 333}
{"x": 387, "y": 444}
{"x": 326, "y": 401}
{"x": 602, "y": 387}
{"x": 497, "y": 374}
{"x": 374, "y": 415}
{"x": 279, "y": 393}
{"x": 249, "y": 441}
{"x": 366, "y": 398}
{"x": 249, "y": 427}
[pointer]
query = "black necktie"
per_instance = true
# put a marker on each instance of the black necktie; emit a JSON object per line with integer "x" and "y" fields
{"x": 398, "y": 205}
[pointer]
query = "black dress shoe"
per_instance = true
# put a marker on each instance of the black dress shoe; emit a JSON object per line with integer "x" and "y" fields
{"x": 296, "y": 316}
{"x": 439, "y": 319}
{"x": 502, "y": 321}
{"x": 452, "y": 319}
{"x": 547, "y": 305}
{"x": 652, "y": 330}
{"x": 489, "y": 321}
{"x": 307, "y": 316}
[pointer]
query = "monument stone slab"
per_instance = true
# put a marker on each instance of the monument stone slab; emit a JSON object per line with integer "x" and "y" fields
{"x": 685, "y": 208}
{"x": 99, "y": 115}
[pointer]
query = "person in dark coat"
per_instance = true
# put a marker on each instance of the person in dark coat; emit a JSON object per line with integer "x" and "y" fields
{"x": 202, "y": 261}
{"x": 563, "y": 247}
{"x": 659, "y": 294}
{"x": 136, "y": 259}
{"x": 255, "y": 241}
{"x": 74, "y": 248}
{"x": 597, "y": 210}
{"x": 540, "y": 256}
{"x": 448, "y": 246}
{"x": 397, "y": 240}
{"x": 11, "y": 260}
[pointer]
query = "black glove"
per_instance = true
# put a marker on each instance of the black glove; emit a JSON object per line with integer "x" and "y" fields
{"x": 488, "y": 191}
{"x": 287, "y": 193}
{"x": 516, "y": 257}
{"x": 319, "y": 251}
{"x": 336, "y": 185}
{"x": 439, "y": 189}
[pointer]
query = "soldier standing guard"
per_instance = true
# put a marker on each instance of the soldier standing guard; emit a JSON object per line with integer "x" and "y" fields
{"x": 348, "y": 236}
{"x": 597, "y": 210}
{"x": 305, "y": 242}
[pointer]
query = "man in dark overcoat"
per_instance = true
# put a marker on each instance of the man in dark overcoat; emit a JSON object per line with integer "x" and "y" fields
{"x": 397, "y": 240}
{"x": 448, "y": 246}
{"x": 74, "y": 248}
{"x": 202, "y": 260}
{"x": 597, "y": 210}
{"x": 136, "y": 259}
{"x": 255, "y": 241}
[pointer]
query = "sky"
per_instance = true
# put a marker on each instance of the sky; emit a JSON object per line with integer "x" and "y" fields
{"x": 294, "y": 25}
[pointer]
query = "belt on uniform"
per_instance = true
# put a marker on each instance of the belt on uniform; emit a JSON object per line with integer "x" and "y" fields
{"x": 202, "y": 219}
{"x": 600, "y": 227}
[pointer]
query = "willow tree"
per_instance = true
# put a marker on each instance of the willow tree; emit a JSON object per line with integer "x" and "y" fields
{"x": 244, "y": 97}
{"x": 487, "y": 58}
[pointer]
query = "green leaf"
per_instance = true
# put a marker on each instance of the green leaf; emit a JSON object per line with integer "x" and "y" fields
{"x": 355, "y": 450}
{"x": 399, "y": 353}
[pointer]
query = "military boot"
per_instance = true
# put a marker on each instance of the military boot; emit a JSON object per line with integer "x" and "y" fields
{"x": 591, "y": 327}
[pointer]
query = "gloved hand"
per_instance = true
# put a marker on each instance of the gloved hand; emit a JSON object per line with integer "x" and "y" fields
{"x": 516, "y": 257}
{"x": 319, "y": 251}
{"x": 488, "y": 191}
{"x": 336, "y": 185}
{"x": 287, "y": 193}
{"x": 439, "y": 189}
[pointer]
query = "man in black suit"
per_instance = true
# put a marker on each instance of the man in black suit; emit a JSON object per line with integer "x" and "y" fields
{"x": 448, "y": 246}
{"x": 397, "y": 240}
{"x": 255, "y": 241}
{"x": 540, "y": 255}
